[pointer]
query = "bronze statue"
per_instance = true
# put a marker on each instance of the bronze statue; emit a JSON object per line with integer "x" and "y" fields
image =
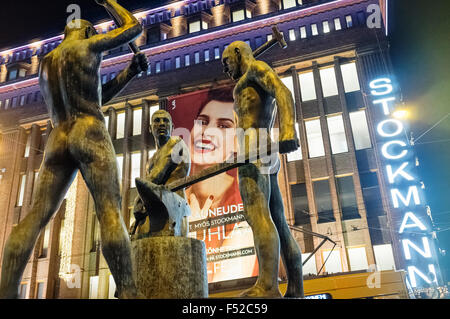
{"x": 71, "y": 85}
{"x": 256, "y": 90}
{"x": 171, "y": 162}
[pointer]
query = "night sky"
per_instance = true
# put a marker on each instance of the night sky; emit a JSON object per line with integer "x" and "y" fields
{"x": 420, "y": 54}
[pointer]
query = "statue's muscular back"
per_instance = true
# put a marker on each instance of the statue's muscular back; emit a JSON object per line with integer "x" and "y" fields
{"x": 254, "y": 107}
{"x": 70, "y": 81}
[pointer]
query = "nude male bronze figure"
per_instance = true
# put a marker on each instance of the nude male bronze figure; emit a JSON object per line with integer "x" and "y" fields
{"x": 257, "y": 88}
{"x": 70, "y": 83}
{"x": 171, "y": 162}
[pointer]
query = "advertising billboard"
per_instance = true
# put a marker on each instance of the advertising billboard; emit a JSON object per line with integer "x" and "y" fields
{"x": 206, "y": 121}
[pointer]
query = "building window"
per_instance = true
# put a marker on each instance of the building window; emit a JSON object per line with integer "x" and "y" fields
{"x": 14, "y": 101}
{"x": 149, "y": 70}
{"x": 216, "y": 53}
{"x": 106, "y": 122}
{"x": 158, "y": 67}
{"x": 187, "y": 60}
{"x": 111, "y": 288}
{"x": 113, "y": 75}
{"x": 27, "y": 146}
{"x": 196, "y": 57}
{"x": 269, "y": 37}
{"x": 163, "y": 36}
{"x": 153, "y": 109}
{"x": 40, "y": 290}
{"x": 360, "y": 130}
{"x": 137, "y": 122}
{"x": 337, "y": 24}
{"x": 12, "y": 75}
{"x": 151, "y": 153}
{"x": 289, "y": 4}
{"x": 347, "y": 197}
{"x": 22, "y": 100}
{"x": 119, "y": 159}
{"x": 322, "y": 196}
{"x": 93, "y": 287}
{"x": 336, "y": 130}
{"x": 135, "y": 168}
{"x": 7, "y": 104}
{"x": 177, "y": 62}
{"x": 206, "y": 55}
{"x": 167, "y": 65}
{"x": 328, "y": 80}
{"x": 333, "y": 263}
{"x": 45, "y": 242}
{"x": 349, "y": 21}
{"x": 326, "y": 27}
{"x": 300, "y": 204}
{"x": 303, "y": 33}
{"x": 314, "y": 30}
{"x": 120, "y": 132}
{"x": 23, "y": 291}
{"x": 314, "y": 137}
{"x": 238, "y": 15}
{"x": 371, "y": 194}
{"x": 384, "y": 257}
{"x": 194, "y": 26}
{"x": 350, "y": 77}
{"x": 358, "y": 258}
{"x": 307, "y": 86}
{"x": 310, "y": 267}
{"x": 104, "y": 78}
{"x": 291, "y": 35}
{"x": 21, "y": 194}
{"x": 297, "y": 155}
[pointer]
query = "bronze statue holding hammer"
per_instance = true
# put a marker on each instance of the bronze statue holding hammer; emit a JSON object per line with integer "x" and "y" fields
{"x": 257, "y": 89}
{"x": 71, "y": 86}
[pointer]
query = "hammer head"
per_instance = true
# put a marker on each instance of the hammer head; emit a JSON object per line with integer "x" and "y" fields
{"x": 279, "y": 37}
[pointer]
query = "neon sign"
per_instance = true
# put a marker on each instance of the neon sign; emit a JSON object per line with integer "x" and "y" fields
{"x": 410, "y": 218}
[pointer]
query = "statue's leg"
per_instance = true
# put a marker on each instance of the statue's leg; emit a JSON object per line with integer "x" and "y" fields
{"x": 55, "y": 177}
{"x": 290, "y": 251}
{"x": 94, "y": 150}
{"x": 255, "y": 193}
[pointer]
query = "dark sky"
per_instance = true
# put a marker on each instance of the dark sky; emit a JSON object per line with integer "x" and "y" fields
{"x": 420, "y": 54}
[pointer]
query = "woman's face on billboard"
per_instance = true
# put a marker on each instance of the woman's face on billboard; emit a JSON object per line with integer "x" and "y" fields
{"x": 213, "y": 135}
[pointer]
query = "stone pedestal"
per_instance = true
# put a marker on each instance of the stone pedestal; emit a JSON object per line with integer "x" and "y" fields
{"x": 170, "y": 267}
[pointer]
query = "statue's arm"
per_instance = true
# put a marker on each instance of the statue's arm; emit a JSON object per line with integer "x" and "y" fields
{"x": 112, "y": 88}
{"x": 127, "y": 33}
{"x": 269, "y": 81}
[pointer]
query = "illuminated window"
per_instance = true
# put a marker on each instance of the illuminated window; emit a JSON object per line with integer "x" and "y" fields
{"x": 45, "y": 242}
{"x": 7, "y": 104}
{"x": 167, "y": 65}
{"x": 300, "y": 204}
{"x": 307, "y": 86}
{"x": 119, "y": 159}
{"x": 40, "y": 290}
{"x": 216, "y": 53}
{"x": 194, "y": 26}
{"x": 297, "y": 155}
{"x": 360, "y": 130}
{"x": 337, "y": 134}
{"x": 120, "y": 133}
{"x": 14, "y": 102}
{"x": 21, "y": 194}
{"x": 22, "y": 100}
{"x": 187, "y": 60}
{"x": 289, "y": 4}
{"x": 350, "y": 77}
{"x": 310, "y": 267}
{"x": 349, "y": 21}
{"x": 23, "y": 288}
{"x": 205, "y": 25}
{"x": 322, "y": 197}
{"x": 137, "y": 122}
{"x": 314, "y": 30}
{"x": 206, "y": 55}
{"x": 328, "y": 80}
{"x": 291, "y": 35}
{"x": 163, "y": 36}
{"x": 249, "y": 14}
{"x": 104, "y": 78}
{"x": 238, "y": 15}
{"x": 149, "y": 70}
{"x": 333, "y": 264}
{"x": 269, "y": 37}
{"x": 197, "y": 57}
{"x": 107, "y": 122}
{"x": 326, "y": 27}
{"x": 153, "y": 109}
{"x": 347, "y": 197}
{"x": 314, "y": 137}
{"x": 93, "y": 287}
{"x": 337, "y": 24}
{"x": 177, "y": 62}
{"x": 12, "y": 75}
{"x": 384, "y": 257}
{"x": 135, "y": 168}
{"x": 111, "y": 288}
{"x": 151, "y": 153}
{"x": 158, "y": 67}
{"x": 27, "y": 146}
{"x": 358, "y": 258}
